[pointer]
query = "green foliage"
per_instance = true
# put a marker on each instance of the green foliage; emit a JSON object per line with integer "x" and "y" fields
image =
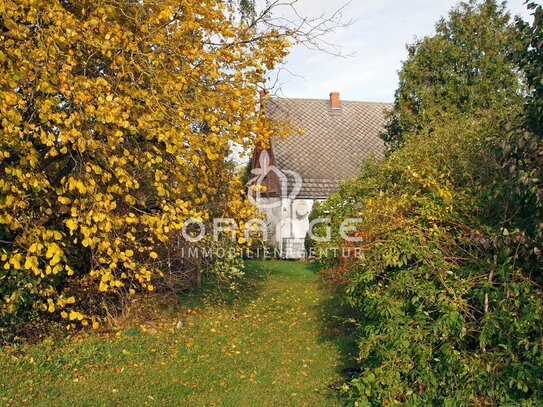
{"x": 448, "y": 283}
{"x": 530, "y": 61}
{"x": 445, "y": 315}
{"x": 464, "y": 67}
{"x": 227, "y": 272}
{"x": 521, "y": 154}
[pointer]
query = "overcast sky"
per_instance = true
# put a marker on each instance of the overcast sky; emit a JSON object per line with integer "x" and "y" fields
{"x": 377, "y": 37}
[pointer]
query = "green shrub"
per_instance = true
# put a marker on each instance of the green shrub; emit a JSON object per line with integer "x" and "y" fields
{"x": 445, "y": 315}
{"x": 448, "y": 285}
{"x": 521, "y": 154}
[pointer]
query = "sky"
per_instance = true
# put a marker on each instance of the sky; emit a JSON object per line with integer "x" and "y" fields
{"x": 373, "y": 47}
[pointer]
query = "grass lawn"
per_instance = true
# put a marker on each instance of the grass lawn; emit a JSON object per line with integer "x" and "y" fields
{"x": 275, "y": 343}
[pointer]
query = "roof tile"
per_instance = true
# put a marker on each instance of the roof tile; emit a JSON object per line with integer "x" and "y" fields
{"x": 332, "y": 145}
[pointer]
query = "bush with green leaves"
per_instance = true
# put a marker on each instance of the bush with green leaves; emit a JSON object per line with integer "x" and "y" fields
{"x": 227, "y": 272}
{"x": 445, "y": 315}
{"x": 448, "y": 285}
{"x": 521, "y": 154}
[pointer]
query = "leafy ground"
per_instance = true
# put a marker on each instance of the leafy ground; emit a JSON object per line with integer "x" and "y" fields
{"x": 277, "y": 343}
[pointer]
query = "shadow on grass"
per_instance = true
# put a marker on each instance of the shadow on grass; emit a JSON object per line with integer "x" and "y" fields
{"x": 337, "y": 329}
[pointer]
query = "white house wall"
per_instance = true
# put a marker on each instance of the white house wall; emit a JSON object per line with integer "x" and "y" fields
{"x": 285, "y": 221}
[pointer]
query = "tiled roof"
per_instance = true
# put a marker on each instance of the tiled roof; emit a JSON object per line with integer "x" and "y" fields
{"x": 332, "y": 145}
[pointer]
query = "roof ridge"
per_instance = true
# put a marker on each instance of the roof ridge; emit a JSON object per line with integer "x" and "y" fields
{"x": 326, "y": 100}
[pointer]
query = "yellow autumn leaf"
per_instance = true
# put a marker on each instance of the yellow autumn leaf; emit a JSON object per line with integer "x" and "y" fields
{"x": 64, "y": 200}
{"x": 71, "y": 224}
{"x": 50, "y": 305}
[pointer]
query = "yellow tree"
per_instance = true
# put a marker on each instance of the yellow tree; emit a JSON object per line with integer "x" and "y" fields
{"x": 116, "y": 117}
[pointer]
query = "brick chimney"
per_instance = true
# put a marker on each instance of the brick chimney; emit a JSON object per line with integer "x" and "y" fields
{"x": 264, "y": 93}
{"x": 335, "y": 103}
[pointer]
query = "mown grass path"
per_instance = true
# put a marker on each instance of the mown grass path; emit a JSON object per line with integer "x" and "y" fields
{"x": 273, "y": 344}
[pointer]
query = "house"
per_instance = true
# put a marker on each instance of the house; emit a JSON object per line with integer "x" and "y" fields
{"x": 336, "y": 137}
